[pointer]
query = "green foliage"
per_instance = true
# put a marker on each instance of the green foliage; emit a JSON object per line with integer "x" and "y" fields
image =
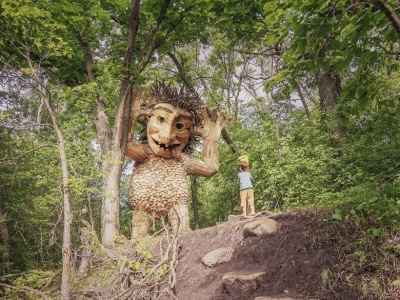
{"x": 31, "y": 181}
{"x": 35, "y": 279}
{"x": 295, "y": 164}
{"x": 339, "y": 37}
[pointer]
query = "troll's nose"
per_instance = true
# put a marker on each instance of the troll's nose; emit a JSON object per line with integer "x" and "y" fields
{"x": 164, "y": 140}
{"x": 166, "y": 134}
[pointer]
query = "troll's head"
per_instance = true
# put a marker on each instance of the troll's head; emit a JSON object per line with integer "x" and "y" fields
{"x": 174, "y": 113}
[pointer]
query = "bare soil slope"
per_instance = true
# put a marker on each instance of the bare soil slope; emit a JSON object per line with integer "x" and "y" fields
{"x": 298, "y": 259}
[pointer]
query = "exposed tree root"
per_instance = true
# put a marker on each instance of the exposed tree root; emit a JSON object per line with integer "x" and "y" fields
{"x": 138, "y": 269}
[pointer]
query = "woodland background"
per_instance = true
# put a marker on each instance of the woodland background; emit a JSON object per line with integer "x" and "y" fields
{"x": 312, "y": 87}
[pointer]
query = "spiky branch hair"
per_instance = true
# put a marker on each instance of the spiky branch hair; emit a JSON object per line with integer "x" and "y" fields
{"x": 179, "y": 97}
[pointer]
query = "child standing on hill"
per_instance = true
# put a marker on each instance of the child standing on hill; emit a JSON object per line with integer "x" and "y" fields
{"x": 246, "y": 188}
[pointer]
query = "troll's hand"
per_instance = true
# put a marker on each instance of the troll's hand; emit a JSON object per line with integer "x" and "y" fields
{"x": 212, "y": 127}
{"x": 140, "y": 101}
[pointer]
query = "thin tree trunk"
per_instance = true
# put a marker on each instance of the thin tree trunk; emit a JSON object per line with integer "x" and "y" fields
{"x": 303, "y": 101}
{"x": 86, "y": 252}
{"x": 110, "y": 162}
{"x": 195, "y": 201}
{"x": 66, "y": 246}
{"x": 110, "y": 226}
{"x": 39, "y": 115}
{"x": 5, "y": 236}
{"x": 88, "y": 197}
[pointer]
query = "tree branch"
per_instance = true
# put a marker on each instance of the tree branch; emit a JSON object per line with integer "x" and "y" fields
{"x": 389, "y": 12}
{"x": 187, "y": 82}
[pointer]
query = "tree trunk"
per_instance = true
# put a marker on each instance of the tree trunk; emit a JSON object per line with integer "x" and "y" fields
{"x": 111, "y": 162}
{"x": 66, "y": 246}
{"x": 389, "y": 11}
{"x": 39, "y": 115}
{"x": 195, "y": 201}
{"x": 303, "y": 101}
{"x": 86, "y": 260}
{"x": 5, "y": 235}
{"x": 328, "y": 90}
{"x": 110, "y": 226}
{"x": 113, "y": 143}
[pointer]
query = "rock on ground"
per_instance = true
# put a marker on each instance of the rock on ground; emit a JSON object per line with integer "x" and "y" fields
{"x": 243, "y": 282}
{"x": 218, "y": 256}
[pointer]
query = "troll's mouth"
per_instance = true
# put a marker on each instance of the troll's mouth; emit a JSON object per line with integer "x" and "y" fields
{"x": 167, "y": 146}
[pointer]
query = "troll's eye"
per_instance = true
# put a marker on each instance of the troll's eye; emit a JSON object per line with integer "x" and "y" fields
{"x": 179, "y": 126}
{"x": 160, "y": 120}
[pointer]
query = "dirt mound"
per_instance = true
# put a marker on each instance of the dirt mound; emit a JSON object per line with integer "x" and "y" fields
{"x": 297, "y": 259}
{"x": 310, "y": 256}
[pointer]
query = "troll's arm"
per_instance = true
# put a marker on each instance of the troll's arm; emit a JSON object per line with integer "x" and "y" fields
{"x": 210, "y": 132}
{"x": 134, "y": 149}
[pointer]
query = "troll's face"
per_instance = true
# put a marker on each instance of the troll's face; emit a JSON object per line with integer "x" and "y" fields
{"x": 168, "y": 130}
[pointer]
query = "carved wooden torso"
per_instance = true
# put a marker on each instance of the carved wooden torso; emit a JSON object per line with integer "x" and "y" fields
{"x": 159, "y": 183}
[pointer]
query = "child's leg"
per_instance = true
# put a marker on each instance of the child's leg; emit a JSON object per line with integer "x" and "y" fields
{"x": 243, "y": 197}
{"x": 250, "y": 200}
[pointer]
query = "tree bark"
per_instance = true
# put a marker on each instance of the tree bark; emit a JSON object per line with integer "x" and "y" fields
{"x": 86, "y": 260}
{"x": 328, "y": 90}
{"x": 195, "y": 201}
{"x": 5, "y": 236}
{"x": 110, "y": 196}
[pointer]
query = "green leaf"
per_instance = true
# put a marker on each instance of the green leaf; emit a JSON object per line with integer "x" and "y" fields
{"x": 28, "y": 71}
{"x": 375, "y": 232}
{"x": 288, "y": 56}
{"x": 272, "y": 37}
{"x": 332, "y": 124}
{"x": 348, "y": 29}
{"x": 343, "y": 62}
{"x": 301, "y": 45}
{"x": 363, "y": 101}
{"x": 337, "y": 217}
{"x": 335, "y": 45}
{"x": 275, "y": 79}
{"x": 344, "y": 121}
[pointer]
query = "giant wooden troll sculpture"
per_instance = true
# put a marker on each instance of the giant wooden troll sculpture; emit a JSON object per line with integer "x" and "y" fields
{"x": 174, "y": 121}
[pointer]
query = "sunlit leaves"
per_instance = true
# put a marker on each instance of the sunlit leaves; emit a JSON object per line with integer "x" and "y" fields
{"x": 338, "y": 36}
{"x": 25, "y": 23}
